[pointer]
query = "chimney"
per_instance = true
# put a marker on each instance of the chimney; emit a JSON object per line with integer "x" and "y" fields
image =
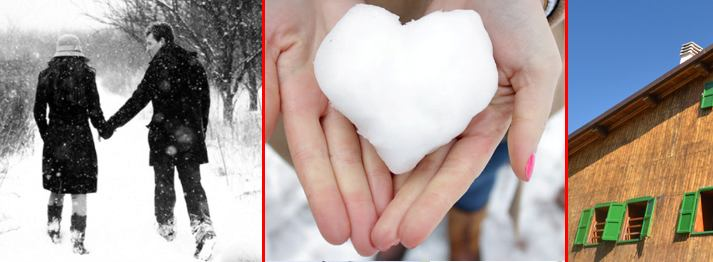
{"x": 689, "y": 50}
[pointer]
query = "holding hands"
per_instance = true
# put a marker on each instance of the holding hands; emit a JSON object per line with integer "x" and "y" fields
{"x": 106, "y": 131}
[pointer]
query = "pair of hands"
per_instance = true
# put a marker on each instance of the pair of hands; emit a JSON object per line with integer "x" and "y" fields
{"x": 106, "y": 131}
{"x": 350, "y": 191}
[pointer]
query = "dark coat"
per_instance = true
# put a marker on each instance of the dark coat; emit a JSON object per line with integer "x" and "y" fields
{"x": 69, "y": 160}
{"x": 176, "y": 84}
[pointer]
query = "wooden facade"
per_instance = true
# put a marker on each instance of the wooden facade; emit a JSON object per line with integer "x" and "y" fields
{"x": 657, "y": 143}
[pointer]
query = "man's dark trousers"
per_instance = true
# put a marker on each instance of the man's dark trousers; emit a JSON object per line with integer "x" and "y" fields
{"x": 165, "y": 195}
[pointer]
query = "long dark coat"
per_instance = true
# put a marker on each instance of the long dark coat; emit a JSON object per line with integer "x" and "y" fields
{"x": 69, "y": 160}
{"x": 176, "y": 84}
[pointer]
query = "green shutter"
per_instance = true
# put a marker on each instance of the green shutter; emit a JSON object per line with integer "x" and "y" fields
{"x": 708, "y": 89}
{"x": 706, "y": 101}
{"x": 707, "y": 96}
{"x": 613, "y": 222}
{"x": 585, "y": 220}
{"x": 688, "y": 213}
{"x": 646, "y": 226}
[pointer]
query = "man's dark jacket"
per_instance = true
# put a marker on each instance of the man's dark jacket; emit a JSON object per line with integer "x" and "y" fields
{"x": 175, "y": 82}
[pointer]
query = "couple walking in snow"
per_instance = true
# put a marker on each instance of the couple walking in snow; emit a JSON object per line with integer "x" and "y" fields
{"x": 175, "y": 83}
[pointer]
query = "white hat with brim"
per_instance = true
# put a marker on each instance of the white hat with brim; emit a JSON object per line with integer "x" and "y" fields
{"x": 68, "y": 45}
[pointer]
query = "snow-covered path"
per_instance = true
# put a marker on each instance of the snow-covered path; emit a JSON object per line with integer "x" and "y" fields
{"x": 120, "y": 223}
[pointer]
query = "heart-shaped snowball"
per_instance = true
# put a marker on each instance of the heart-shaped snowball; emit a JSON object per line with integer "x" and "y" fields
{"x": 411, "y": 88}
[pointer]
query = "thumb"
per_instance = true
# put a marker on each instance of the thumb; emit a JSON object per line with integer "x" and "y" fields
{"x": 534, "y": 91}
{"x": 272, "y": 110}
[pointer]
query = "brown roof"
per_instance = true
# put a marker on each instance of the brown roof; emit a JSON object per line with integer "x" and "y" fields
{"x": 642, "y": 101}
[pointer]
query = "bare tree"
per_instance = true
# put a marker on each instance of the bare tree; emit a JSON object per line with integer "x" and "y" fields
{"x": 225, "y": 33}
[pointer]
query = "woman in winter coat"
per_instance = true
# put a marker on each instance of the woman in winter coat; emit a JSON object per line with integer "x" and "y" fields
{"x": 69, "y": 161}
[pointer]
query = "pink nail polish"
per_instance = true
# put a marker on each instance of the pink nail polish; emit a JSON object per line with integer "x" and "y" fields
{"x": 530, "y": 166}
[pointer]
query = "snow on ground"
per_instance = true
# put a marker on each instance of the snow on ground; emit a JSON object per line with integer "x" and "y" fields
{"x": 120, "y": 222}
{"x": 540, "y": 224}
{"x": 293, "y": 235}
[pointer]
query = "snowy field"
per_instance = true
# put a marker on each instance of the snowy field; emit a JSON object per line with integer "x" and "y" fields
{"x": 120, "y": 222}
{"x": 536, "y": 234}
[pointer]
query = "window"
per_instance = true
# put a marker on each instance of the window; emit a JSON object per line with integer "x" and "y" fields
{"x": 600, "y": 223}
{"x": 637, "y": 219}
{"x": 600, "y": 217}
{"x": 704, "y": 219}
{"x": 619, "y": 222}
{"x": 696, "y": 214}
{"x": 633, "y": 220}
{"x": 707, "y": 96}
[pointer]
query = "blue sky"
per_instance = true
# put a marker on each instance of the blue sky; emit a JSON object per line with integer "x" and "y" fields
{"x": 618, "y": 47}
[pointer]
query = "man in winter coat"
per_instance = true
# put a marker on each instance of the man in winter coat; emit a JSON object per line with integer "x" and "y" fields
{"x": 175, "y": 83}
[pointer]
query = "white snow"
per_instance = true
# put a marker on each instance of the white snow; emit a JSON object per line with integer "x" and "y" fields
{"x": 411, "y": 88}
{"x": 540, "y": 224}
{"x": 121, "y": 224}
{"x": 293, "y": 235}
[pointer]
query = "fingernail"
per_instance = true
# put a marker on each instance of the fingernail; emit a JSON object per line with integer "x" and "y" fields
{"x": 530, "y": 166}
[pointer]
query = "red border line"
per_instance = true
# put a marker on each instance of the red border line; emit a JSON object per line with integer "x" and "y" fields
{"x": 566, "y": 128}
{"x": 263, "y": 130}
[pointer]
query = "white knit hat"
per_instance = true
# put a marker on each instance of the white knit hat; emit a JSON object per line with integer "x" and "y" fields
{"x": 68, "y": 45}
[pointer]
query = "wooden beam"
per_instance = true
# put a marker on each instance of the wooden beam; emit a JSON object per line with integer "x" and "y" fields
{"x": 701, "y": 70}
{"x": 601, "y": 131}
{"x": 651, "y": 100}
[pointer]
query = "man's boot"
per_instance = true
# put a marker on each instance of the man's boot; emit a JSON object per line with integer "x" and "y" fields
{"x": 167, "y": 230}
{"x": 54, "y": 219}
{"x": 205, "y": 240}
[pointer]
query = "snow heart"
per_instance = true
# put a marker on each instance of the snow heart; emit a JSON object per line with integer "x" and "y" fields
{"x": 411, "y": 88}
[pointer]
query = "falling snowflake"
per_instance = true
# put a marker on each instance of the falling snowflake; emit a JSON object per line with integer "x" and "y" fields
{"x": 171, "y": 150}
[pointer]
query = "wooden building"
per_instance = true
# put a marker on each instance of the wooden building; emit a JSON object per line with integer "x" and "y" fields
{"x": 641, "y": 174}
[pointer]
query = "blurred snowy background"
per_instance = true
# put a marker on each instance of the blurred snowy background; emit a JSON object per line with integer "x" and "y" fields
{"x": 120, "y": 226}
{"x": 529, "y": 229}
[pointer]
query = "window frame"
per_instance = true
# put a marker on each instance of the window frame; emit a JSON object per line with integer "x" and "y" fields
{"x": 694, "y": 212}
{"x": 698, "y": 202}
{"x": 646, "y": 223}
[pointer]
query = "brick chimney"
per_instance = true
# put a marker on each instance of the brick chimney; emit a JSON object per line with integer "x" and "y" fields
{"x": 689, "y": 50}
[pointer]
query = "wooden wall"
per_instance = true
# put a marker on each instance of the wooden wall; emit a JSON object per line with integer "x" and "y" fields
{"x": 661, "y": 153}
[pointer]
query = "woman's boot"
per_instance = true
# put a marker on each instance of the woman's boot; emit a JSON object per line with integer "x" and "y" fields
{"x": 54, "y": 218}
{"x": 79, "y": 224}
